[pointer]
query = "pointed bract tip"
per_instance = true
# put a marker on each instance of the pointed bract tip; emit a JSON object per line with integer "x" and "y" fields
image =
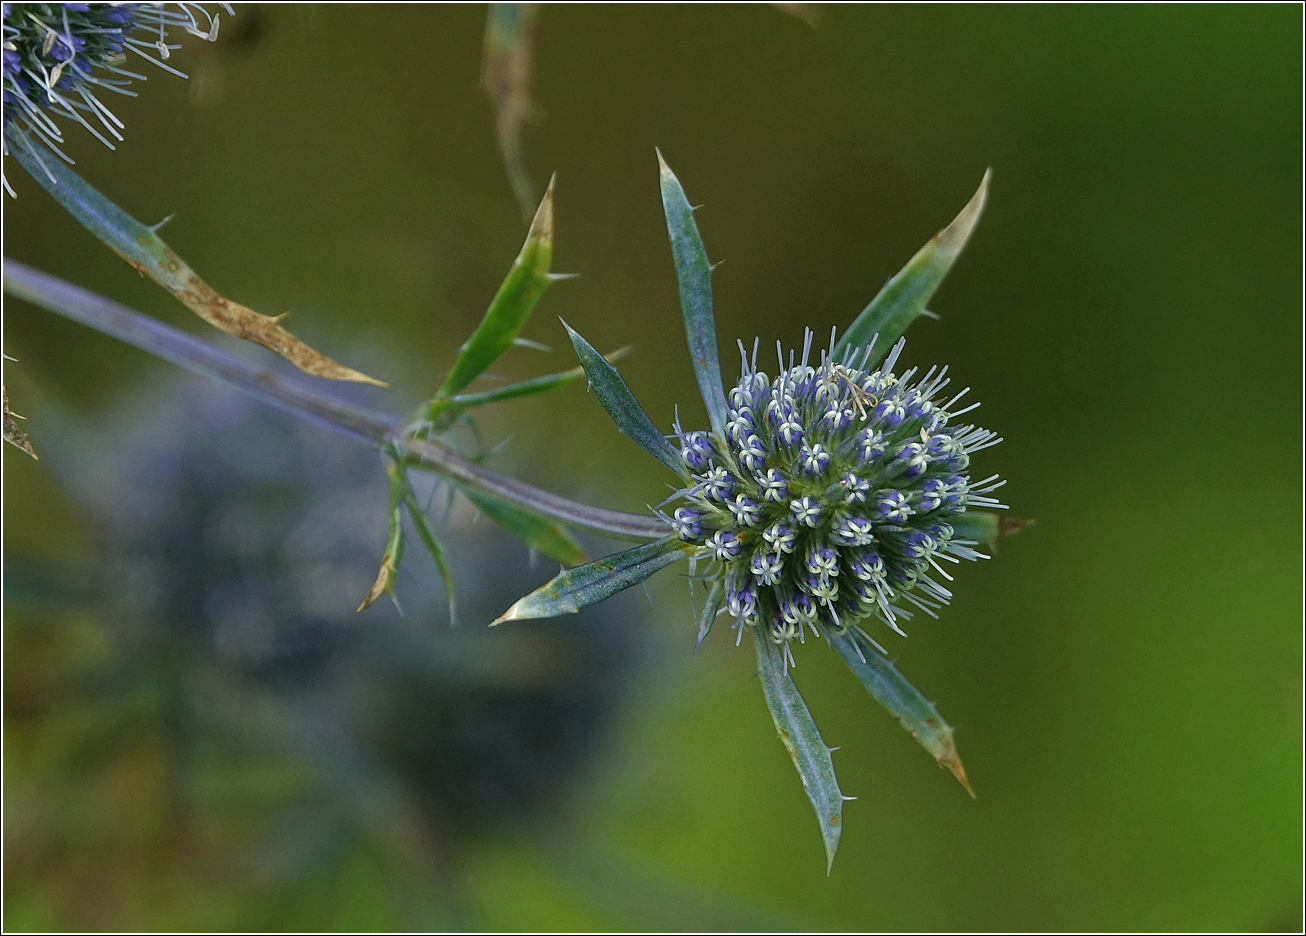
{"x": 663, "y": 168}
{"x": 1010, "y": 526}
{"x": 950, "y": 760}
{"x": 510, "y": 615}
{"x": 542, "y": 223}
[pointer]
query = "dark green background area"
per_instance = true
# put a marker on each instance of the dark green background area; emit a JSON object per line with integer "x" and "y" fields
{"x": 1126, "y": 675}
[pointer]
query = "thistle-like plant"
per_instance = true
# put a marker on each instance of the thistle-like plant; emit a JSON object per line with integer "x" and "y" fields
{"x": 820, "y": 498}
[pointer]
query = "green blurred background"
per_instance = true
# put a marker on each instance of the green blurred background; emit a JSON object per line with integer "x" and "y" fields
{"x": 1126, "y": 675}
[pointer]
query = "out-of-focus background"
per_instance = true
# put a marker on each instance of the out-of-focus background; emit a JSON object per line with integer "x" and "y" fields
{"x": 200, "y": 733}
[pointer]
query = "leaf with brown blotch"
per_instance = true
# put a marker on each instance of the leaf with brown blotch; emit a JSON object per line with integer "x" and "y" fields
{"x": 140, "y": 246}
{"x": 14, "y": 435}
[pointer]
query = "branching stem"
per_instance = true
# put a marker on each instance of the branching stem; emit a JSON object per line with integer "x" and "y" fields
{"x": 294, "y": 396}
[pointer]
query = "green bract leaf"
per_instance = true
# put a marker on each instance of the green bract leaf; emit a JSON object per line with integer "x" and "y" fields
{"x": 694, "y": 274}
{"x": 140, "y": 246}
{"x": 615, "y": 395}
{"x": 913, "y": 711}
{"x": 536, "y": 532}
{"x": 801, "y": 738}
{"x": 986, "y": 527}
{"x": 978, "y": 525}
{"x": 904, "y": 297}
{"x": 589, "y": 584}
{"x": 510, "y": 308}
{"x": 716, "y": 597}
{"x": 466, "y": 401}
{"x": 394, "y": 547}
{"x": 399, "y": 483}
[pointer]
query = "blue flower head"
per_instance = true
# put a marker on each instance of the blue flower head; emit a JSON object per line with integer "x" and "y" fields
{"x": 828, "y": 498}
{"x": 65, "y": 59}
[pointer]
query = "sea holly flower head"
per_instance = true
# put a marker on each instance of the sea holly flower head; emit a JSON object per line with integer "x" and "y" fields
{"x": 65, "y": 59}
{"x": 851, "y": 522}
{"x": 830, "y": 493}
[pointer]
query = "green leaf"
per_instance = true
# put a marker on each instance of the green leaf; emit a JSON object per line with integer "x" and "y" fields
{"x": 615, "y": 395}
{"x": 589, "y": 584}
{"x": 794, "y": 724}
{"x": 913, "y": 711}
{"x": 986, "y": 527}
{"x": 511, "y": 307}
{"x": 978, "y": 525}
{"x": 539, "y": 534}
{"x": 141, "y": 247}
{"x": 904, "y": 297}
{"x": 716, "y": 597}
{"x": 394, "y": 548}
{"x": 694, "y": 274}
{"x": 466, "y": 401}
{"x": 399, "y": 483}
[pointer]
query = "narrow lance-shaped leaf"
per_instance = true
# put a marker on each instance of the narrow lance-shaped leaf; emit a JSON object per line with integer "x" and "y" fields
{"x": 892, "y": 690}
{"x": 14, "y": 435}
{"x": 694, "y": 274}
{"x": 797, "y": 729}
{"x": 399, "y": 481}
{"x": 615, "y": 395}
{"x": 141, "y": 247}
{"x": 905, "y": 296}
{"x": 589, "y": 584}
{"x": 716, "y": 597}
{"x": 465, "y": 401}
{"x": 537, "y": 533}
{"x": 986, "y": 527}
{"x": 394, "y": 548}
{"x": 510, "y": 308}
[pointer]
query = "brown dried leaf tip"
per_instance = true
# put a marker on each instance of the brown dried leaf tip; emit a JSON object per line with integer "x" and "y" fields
{"x": 1010, "y": 526}
{"x": 386, "y": 574}
{"x": 14, "y": 435}
{"x": 242, "y": 322}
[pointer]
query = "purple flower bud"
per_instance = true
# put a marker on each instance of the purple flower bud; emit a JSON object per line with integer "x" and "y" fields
{"x": 780, "y": 536}
{"x": 892, "y": 507}
{"x": 688, "y": 524}
{"x": 767, "y": 566}
{"x": 717, "y": 485}
{"x": 746, "y": 510}
{"x": 890, "y": 413}
{"x": 742, "y": 601}
{"x": 867, "y": 566}
{"x": 822, "y": 559}
{"x": 814, "y": 458}
{"x": 805, "y": 511}
{"x": 870, "y": 445}
{"x": 696, "y": 450}
{"x": 774, "y": 487}
{"x": 725, "y": 544}
{"x": 852, "y": 531}
{"x": 751, "y": 453}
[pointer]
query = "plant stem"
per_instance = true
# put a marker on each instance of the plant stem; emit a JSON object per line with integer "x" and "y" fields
{"x": 295, "y": 397}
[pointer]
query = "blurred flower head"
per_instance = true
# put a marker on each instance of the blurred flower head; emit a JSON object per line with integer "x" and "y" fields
{"x": 234, "y": 542}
